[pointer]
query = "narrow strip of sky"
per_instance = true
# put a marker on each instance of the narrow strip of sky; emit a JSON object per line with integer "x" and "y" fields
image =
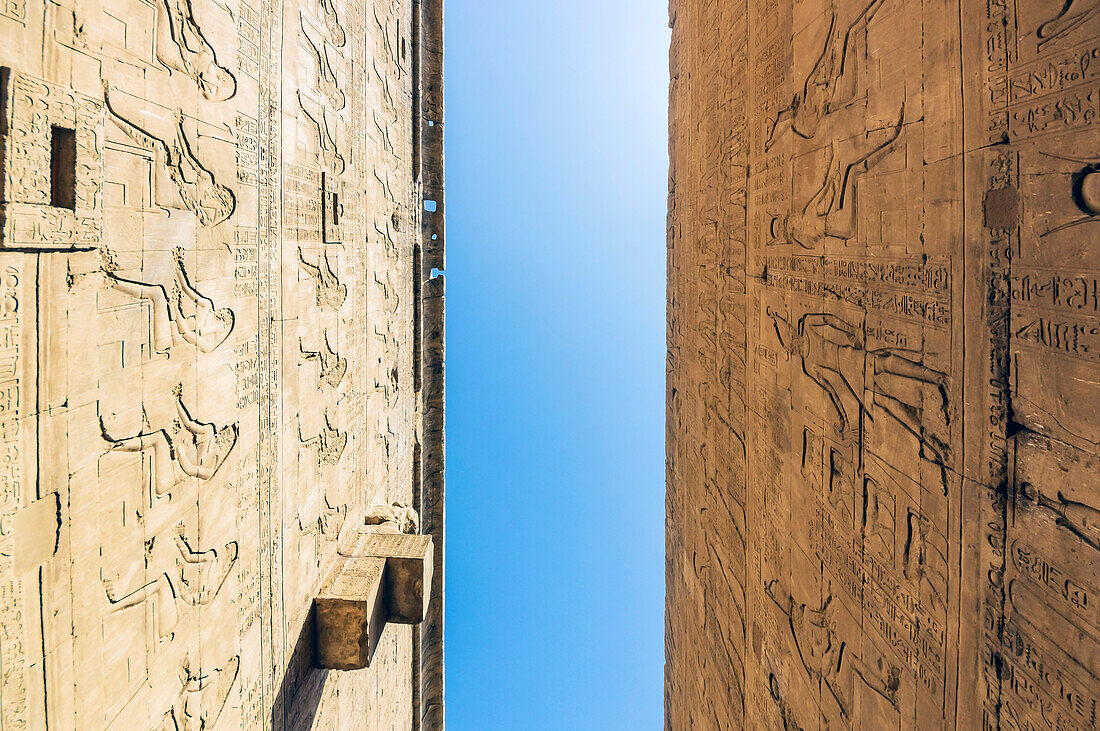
{"x": 556, "y": 196}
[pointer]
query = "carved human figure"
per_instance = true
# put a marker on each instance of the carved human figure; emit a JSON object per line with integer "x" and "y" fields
{"x": 194, "y": 580}
{"x": 1071, "y": 16}
{"x": 326, "y": 142}
{"x": 196, "y": 57}
{"x": 330, "y": 292}
{"x": 336, "y": 35}
{"x": 202, "y": 697}
{"x": 328, "y": 523}
{"x": 828, "y": 347}
{"x": 198, "y": 448}
{"x": 842, "y": 485}
{"x": 179, "y": 310}
{"x": 396, "y": 517}
{"x": 1080, "y": 519}
{"x": 211, "y": 202}
{"x": 832, "y": 211}
{"x": 332, "y": 366}
{"x": 327, "y": 82}
{"x": 832, "y": 82}
{"x": 824, "y": 656}
{"x": 329, "y": 442}
{"x": 923, "y": 562}
{"x": 878, "y": 519}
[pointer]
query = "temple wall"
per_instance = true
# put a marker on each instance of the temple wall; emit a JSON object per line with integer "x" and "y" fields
{"x": 883, "y": 504}
{"x": 211, "y": 285}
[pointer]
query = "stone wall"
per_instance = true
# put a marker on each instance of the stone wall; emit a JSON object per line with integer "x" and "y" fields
{"x": 213, "y": 254}
{"x": 883, "y": 502}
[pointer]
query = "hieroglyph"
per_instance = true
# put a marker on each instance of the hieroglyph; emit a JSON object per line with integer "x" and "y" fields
{"x": 208, "y": 217}
{"x": 883, "y": 401}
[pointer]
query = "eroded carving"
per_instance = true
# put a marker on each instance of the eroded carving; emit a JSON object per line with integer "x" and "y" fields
{"x": 331, "y": 367}
{"x": 195, "y": 580}
{"x": 329, "y": 442}
{"x": 180, "y": 312}
{"x": 833, "y": 81}
{"x": 396, "y": 517}
{"x": 211, "y": 202}
{"x": 330, "y": 292}
{"x": 326, "y": 140}
{"x": 327, "y": 82}
{"x": 202, "y": 698}
{"x": 197, "y": 448}
{"x": 192, "y": 53}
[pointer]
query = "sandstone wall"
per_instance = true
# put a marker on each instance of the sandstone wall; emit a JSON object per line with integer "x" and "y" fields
{"x": 883, "y": 502}
{"x": 212, "y": 274}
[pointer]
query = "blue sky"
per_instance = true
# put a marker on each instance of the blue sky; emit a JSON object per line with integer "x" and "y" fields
{"x": 556, "y": 184}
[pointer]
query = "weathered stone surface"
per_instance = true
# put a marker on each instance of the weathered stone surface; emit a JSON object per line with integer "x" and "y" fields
{"x": 214, "y": 353}
{"x": 351, "y": 613}
{"x": 883, "y": 322}
{"x": 408, "y": 576}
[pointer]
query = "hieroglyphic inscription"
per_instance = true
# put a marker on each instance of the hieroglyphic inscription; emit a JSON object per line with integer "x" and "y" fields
{"x": 191, "y": 330}
{"x": 884, "y": 323}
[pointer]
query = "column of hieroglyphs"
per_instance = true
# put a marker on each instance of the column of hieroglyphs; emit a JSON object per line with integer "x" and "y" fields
{"x": 883, "y": 320}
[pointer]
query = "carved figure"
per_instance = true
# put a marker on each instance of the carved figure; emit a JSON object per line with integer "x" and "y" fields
{"x": 328, "y": 523}
{"x": 336, "y": 35}
{"x": 397, "y": 517}
{"x": 826, "y": 344}
{"x": 211, "y": 202}
{"x": 196, "y": 579}
{"x": 198, "y": 448}
{"x": 202, "y": 698}
{"x": 878, "y": 519}
{"x": 923, "y": 559}
{"x": 1073, "y": 14}
{"x": 332, "y": 366}
{"x": 824, "y": 656}
{"x": 1080, "y": 519}
{"x": 329, "y": 443}
{"x": 326, "y": 76}
{"x": 831, "y": 83}
{"x": 184, "y": 312}
{"x": 842, "y": 482}
{"x": 197, "y": 57}
{"x": 330, "y": 292}
{"x": 832, "y": 210}
{"x": 326, "y": 142}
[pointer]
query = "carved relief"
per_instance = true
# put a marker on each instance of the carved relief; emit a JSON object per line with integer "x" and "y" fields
{"x": 187, "y": 266}
{"x": 180, "y": 313}
{"x": 202, "y": 698}
{"x": 331, "y": 293}
{"x": 197, "y": 448}
{"x": 211, "y": 202}
{"x": 329, "y": 443}
{"x": 327, "y": 83}
{"x": 194, "y": 580}
{"x": 331, "y": 367}
{"x": 326, "y": 140}
{"x": 192, "y": 53}
{"x": 834, "y": 80}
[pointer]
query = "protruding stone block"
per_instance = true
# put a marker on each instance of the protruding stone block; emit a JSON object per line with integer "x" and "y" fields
{"x": 408, "y": 575}
{"x": 351, "y": 613}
